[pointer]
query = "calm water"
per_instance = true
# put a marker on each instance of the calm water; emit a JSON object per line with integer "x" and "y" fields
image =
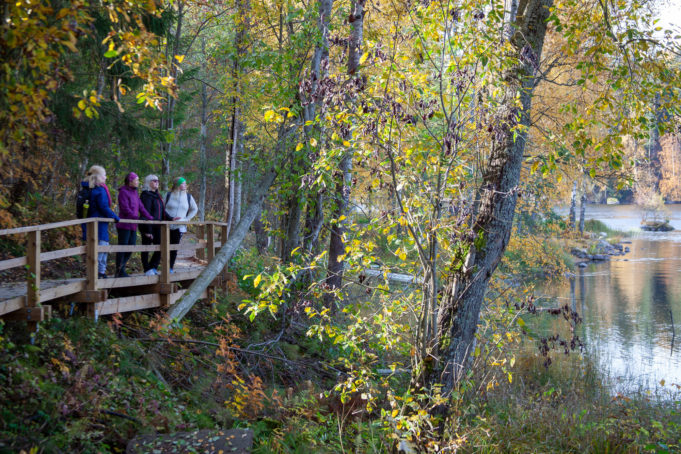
{"x": 628, "y": 303}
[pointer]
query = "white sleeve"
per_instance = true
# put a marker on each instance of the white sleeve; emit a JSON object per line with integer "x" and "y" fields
{"x": 193, "y": 208}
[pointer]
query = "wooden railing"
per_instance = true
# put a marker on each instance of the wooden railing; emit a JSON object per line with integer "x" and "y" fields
{"x": 28, "y": 305}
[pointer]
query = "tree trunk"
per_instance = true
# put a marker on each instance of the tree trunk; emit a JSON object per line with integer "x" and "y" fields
{"x": 573, "y": 205}
{"x": 236, "y": 134}
{"x": 292, "y": 238}
{"x": 334, "y": 277}
{"x": 466, "y": 284}
{"x": 167, "y": 118}
{"x": 582, "y": 209}
{"x": 311, "y": 99}
{"x": 193, "y": 293}
{"x": 203, "y": 165}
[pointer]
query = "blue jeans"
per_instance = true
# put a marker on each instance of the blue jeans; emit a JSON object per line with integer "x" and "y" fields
{"x": 101, "y": 258}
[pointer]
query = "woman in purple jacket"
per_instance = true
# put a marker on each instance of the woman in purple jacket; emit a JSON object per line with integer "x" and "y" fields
{"x": 129, "y": 207}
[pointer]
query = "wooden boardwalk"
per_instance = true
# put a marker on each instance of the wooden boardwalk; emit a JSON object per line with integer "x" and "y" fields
{"x": 32, "y": 299}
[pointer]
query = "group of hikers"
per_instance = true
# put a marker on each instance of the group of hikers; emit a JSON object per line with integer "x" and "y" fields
{"x": 178, "y": 205}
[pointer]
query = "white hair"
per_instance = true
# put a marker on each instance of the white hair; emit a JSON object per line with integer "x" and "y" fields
{"x": 148, "y": 180}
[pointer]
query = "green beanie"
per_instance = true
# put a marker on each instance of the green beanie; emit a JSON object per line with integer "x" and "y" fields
{"x": 180, "y": 180}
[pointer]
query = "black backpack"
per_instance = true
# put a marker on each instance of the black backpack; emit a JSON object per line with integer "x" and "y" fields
{"x": 83, "y": 202}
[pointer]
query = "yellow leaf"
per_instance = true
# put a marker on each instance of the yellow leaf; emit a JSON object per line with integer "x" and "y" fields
{"x": 346, "y": 143}
{"x": 269, "y": 115}
{"x": 257, "y": 280}
{"x": 363, "y": 58}
{"x": 81, "y": 105}
{"x": 313, "y": 141}
{"x": 179, "y": 58}
{"x": 299, "y": 147}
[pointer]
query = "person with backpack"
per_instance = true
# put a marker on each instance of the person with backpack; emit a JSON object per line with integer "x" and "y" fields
{"x": 129, "y": 207}
{"x": 180, "y": 205}
{"x": 151, "y": 234}
{"x": 98, "y": 204}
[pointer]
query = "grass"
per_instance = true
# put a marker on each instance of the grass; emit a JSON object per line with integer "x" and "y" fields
{"x": 568, "y": 408}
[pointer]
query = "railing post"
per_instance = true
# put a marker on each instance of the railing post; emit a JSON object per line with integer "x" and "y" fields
{"x": 225, "y": 272}
{"x": 165, "y": 262}
{"x": 210, "y": 231}
{"x": 91, "y": 262}
{"x": 33, "y": 280}
{"x": 201, "y": 234}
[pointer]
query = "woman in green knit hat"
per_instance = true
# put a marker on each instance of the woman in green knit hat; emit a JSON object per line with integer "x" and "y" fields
{"x": 181, "y": 206}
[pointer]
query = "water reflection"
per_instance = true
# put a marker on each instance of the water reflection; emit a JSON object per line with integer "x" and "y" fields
{"x": 628, "y": 305}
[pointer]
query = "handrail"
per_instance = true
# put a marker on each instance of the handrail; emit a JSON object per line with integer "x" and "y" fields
{"x": 55, "y": 225}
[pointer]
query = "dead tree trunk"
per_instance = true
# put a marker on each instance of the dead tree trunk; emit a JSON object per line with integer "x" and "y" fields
{"x": 193, "y": 293}
{"x": 466, "y": 284}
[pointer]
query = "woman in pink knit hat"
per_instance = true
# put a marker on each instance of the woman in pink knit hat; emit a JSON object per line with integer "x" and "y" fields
{"x": 129, "y": 207}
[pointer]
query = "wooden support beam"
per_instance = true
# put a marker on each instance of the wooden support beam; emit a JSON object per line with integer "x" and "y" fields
{"x": 90, "y": 296}
{"x": 165, "y": 289}
{"x": 127, "y": 304}
{"x": 165, "y": 262}
{"x": 33, "y": 276}
{"x": 32, "y": 315}
{"x": 92, "y": 240}
{"x": 91, "y": 268}
{"x": 201, "y": 235}
{"x": 210, "y": 231}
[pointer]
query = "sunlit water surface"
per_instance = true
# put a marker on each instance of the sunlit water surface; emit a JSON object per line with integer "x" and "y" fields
{"x": 631, "y": 305}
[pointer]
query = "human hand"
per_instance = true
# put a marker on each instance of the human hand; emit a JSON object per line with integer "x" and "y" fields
{"x": 177, "y": 218}
{"x": 149, "y": 235}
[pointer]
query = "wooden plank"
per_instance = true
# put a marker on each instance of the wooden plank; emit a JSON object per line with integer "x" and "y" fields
{"x": 151, "y": 248}
{"x": 56, "y": 225}
{"x": 53, "y": 225}
{"x": 61, "y": 253}
{"x": 12, "y": 304}
{"x": 13, "y": 263}
{"x": 185, "y": 275}
{"x": 136, "y": 248}
{"x": 132, "y": 281}
{"x": 62, "y": 290}
{"x": 30, "y": 314}
{"x": 127, "y": 304}
{"x": 90, "y": 296}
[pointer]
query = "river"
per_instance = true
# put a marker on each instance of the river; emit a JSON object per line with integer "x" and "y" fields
{"x": 631, "y": 305}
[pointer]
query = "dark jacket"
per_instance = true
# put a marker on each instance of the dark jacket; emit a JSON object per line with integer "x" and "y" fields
{"x": 153, "y": 202}
{"x": 100, "y": 207}
{"x": 130, "y": 207}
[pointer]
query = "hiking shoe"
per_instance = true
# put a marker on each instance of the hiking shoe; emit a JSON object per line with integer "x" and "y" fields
{"x": 151, "y": 272}
{"x": 171, "y": 271}
{"x": 102, "y": 276}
